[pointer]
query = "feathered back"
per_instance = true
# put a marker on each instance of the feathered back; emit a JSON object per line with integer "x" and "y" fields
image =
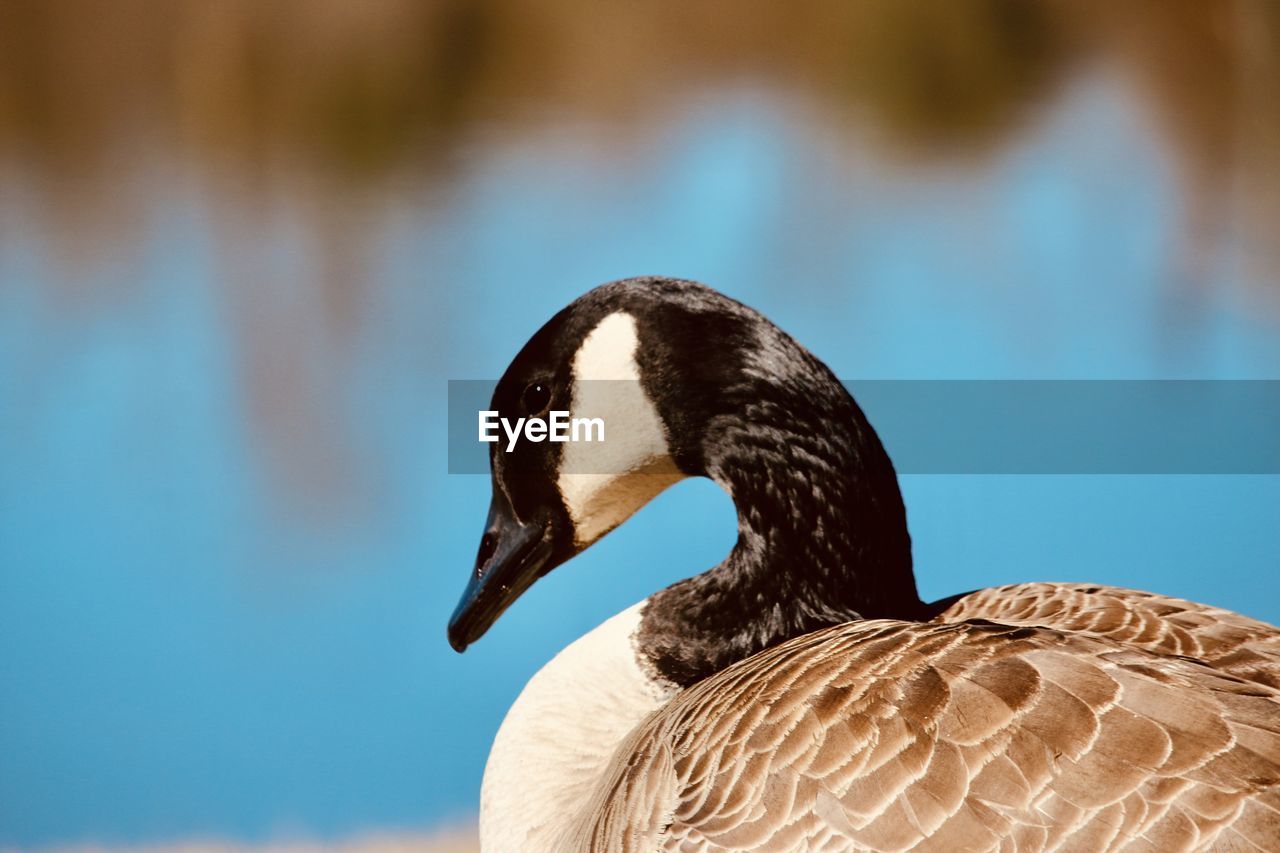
{"x": 887, "y": 735}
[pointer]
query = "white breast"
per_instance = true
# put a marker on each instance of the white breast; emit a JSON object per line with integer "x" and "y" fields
{"x": 559, "y": 735}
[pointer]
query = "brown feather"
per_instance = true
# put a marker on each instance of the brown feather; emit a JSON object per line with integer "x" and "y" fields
{"x": 1221, "y": 639}
{"x": 956, "y": 735}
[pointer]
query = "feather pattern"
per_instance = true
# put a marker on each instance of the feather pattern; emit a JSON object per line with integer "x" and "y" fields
{"x": 1220, "y": 638}
{"x": 887, "y": 735}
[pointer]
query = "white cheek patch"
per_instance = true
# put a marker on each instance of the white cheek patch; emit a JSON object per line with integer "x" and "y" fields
{"x": 605, "y": 483}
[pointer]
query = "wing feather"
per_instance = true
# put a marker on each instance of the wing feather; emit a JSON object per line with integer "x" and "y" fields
{"x": 1221, "y": 639}
{"x": 952, "y": 736}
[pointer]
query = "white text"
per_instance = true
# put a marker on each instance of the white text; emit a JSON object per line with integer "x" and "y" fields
{"x": 557, "y": 426}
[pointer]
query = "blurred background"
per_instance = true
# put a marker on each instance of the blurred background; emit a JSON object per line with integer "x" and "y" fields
{"x": 244, "y": 245}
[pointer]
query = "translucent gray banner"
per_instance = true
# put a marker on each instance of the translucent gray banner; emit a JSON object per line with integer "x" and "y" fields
{"x": 1017, "y": 426}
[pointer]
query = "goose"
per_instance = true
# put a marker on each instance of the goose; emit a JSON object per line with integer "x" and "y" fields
{"x": 800, "y": 695}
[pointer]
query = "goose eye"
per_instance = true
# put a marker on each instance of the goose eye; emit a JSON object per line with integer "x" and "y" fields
{"x": 536, "y": 397}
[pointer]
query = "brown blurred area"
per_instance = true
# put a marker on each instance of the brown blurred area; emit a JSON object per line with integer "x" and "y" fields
{"x": 443, "y": 841}
{"x": 372, "y": 91}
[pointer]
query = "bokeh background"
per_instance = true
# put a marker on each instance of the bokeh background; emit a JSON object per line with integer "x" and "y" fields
{"x": 244, "y": 245}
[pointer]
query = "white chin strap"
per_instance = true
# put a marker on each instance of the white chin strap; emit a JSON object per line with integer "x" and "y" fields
{"x": 603, "y": 483}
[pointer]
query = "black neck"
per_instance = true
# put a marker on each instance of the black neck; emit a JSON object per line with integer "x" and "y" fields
{"x": 822, "y": 534}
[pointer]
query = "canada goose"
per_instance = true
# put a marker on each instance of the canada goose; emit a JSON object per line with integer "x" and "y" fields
{"x": 800, "y": 695}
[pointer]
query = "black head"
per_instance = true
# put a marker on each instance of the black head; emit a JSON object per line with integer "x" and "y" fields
{"x": 679, "y": 374}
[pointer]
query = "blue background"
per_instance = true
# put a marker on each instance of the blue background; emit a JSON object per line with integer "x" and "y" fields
{"x": 228, "y": 542}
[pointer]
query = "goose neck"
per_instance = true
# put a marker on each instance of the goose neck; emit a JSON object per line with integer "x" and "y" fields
{"x": 822, "y": 539}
